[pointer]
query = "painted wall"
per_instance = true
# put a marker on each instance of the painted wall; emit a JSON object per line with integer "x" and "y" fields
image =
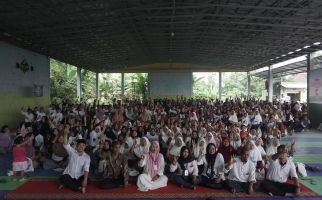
{"x": 170, "y": 84}
{"x": 16, "y": 87}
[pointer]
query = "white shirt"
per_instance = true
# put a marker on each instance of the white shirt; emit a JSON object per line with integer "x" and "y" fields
{"x": 233, "y": 118}
{"x": 242, "y": 172}
{"x": 57, "y": 117}
{"x": 94, "y": 138}
{"x": 192, "y": 167}
{"x": 279, "y": 173}
{"x": 40, "y": 115}
{"x": 29, "y": 117}
{"x": 218, "y": 168}
{"x": 77, "y": 164}
{"x": 39, "y": 140}
{"x": 257, "y": 119}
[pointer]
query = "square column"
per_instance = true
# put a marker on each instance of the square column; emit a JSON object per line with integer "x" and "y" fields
{"x": 97, "y": 85}
{"x": 79, "y": 83}
{"x": 248, "y": 84}
{"x": 122, "y": 85}
{"x": 270, "y": 84}
{"x": 220, "y": 87}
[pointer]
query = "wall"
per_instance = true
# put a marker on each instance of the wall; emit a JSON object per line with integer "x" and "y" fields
{"x": 170, "y": 84}
{"x": 16, "y": 87}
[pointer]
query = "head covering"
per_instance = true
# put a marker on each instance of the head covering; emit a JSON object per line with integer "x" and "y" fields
{"x": 154, "y": 159}
{"x": 182, "y": 160}
{"x": 226, "y": 151}
{"x": 199, "y": 148}
{"x": 211, "y": 140}
{"x": 79, "y": 141}
{"x": 140, "y": 150}
{"x": 175, "y": 150}
{"x": 255, "y": 154}
{"x": 211, "y": 158}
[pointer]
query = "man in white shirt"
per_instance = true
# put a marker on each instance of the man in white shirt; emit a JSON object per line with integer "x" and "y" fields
{"x": 75, "y": 175}
{"x": 279, "y": 170}
{"x": 57, "y": 117}
{"x": 241, "y": 175}
{"x": 29, "y": 117}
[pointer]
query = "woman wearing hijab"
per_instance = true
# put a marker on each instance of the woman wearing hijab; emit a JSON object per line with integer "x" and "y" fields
{"x": 210, "y": 138}
{"x": 176, "y": 148}
{"x": 152, "y": 177}
{"x": 214, "y": 165}
{"x": 226, "y": 149}
{"x": 142, "y": 148}
{"x": 187, "y": 169}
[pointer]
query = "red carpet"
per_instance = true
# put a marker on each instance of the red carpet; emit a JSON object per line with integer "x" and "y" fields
{"x": 47, "y": 189}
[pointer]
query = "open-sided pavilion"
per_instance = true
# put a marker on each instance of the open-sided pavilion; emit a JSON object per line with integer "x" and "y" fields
{"x": 169, "y": 39}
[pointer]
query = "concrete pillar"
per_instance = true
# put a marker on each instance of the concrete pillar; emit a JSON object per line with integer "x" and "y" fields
{"x": 248, "y": 84}
{"x": 220, "y": 81}
{"x": 79, "y": 82}
{"x": 97, "y": 86}
{"x": 308, "y": 84}
{"x": 270, "y": 84}
{"x": 122, "y": 85}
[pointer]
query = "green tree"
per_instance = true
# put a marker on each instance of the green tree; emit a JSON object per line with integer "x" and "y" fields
{"x": 62, "y": 81}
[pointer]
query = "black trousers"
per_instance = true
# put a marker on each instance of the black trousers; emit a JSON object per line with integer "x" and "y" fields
{"x": 70, "y": 182}
{"x": 277, "y": 188}
{"x": 110, "y": 183}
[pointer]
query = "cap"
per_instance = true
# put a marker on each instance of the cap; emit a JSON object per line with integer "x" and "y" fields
{"x": 79, "y": 141}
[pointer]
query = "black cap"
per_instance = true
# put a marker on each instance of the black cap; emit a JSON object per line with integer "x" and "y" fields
{"x": 81, "y": 141}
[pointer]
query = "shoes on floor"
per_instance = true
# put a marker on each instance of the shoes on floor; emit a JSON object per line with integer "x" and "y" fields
{"x": 22, "y": 179}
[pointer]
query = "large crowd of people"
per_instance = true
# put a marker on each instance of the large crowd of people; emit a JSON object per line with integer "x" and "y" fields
{"x": 218, "y": 144}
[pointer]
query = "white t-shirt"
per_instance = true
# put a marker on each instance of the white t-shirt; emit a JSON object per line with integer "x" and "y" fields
{"x": 242, "y": 172}
{"x": 280, "y": 173}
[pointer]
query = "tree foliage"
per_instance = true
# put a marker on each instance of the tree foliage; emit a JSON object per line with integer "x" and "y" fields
{"x": 63, "y": 84}
{"x": 62, "y": 81}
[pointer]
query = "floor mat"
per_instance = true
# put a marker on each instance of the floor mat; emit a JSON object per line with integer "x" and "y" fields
{"x": 317, "y": 187}
{"x": 308, "y": 158}
{"x": 9, "y": 184}
{"x": 47, "y": 189}
{"x": 308, "y": 150}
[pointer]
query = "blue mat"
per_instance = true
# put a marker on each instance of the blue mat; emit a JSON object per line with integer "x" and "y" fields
{"x": 6, "y": 164}
{"x": 311, "y": 173}
{"x": 44, "y": 172}
{"x": 3, "y": 192}
{"x": 308, "y": 150}
{"x": 290, "y": 139}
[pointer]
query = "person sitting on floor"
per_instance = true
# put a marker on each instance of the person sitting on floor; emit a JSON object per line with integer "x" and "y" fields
{"x": 186, "y": 168}
{"x": 241, "y": 175}
{"x": 153, "y": 163}
{"x": 214, "y": 165}
{"x": 75, "y": 175}
{"x": 279, "y": 169}
{"x": 116, "y": 169}
{"x": 59, "y": 154}
{"x": 5, "y": 140}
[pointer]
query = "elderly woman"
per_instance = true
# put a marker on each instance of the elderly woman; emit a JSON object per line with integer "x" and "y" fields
{"x": 152, "y": 177}
{"x": 174, "y": 150}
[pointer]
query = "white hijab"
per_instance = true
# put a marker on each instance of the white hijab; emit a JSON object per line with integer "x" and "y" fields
{"x": 198, "y": 148}
{"x": 175, "y": 150}
{"x": 140, "y": 150}
{"x": 255, "y": 154}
